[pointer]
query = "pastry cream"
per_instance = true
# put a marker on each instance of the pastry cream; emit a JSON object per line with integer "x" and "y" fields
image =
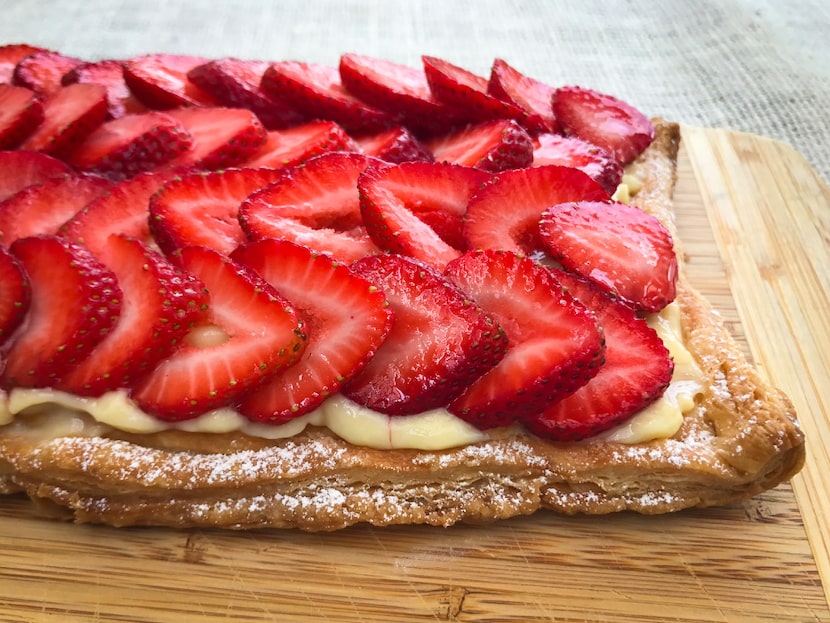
{"x": 433, "y": 430}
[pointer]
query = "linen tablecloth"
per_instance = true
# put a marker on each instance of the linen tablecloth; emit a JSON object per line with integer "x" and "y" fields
{"x": 761, "y": 66}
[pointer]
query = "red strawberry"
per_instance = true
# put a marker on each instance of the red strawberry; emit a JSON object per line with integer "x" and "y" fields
{"x": 315, "y": 205}
{"x": 466, "y": 92}
{"x": 636, "y": 371}
{"x": 250, "y": 334}
{"x": 618, "y": 246}
{"x": 110, "y": 75}
{"x": 132, "y": 144}
{"x": 222, "y": 137}
{"x": 570, "y": 151}
{"x": 397, "y": 89}
{"x": 160, "y": 81}
{"x": 317, "y": 90}
{"x": 236, "y": 84}
{"x": 439, "y": 342}
{"x": 346, "y": 320}
{"x": 293, "y": 146}
{"x": 122, "y": 210}
{"x": 504, "y": 213}
{"x": 159, "y": 305}
{"x": 10, "y": 55}
{"x": 532, "y": 97}
{"x": 19, "y": 169}
{"x": 202, "y": 208}
{"x": 491, "y": 146}
{"x": 42, "y": 71}
{"x": 20, "y": 113}
{"x": 44, "y": 207}
{"x": 555, "y": 345}
{"x": 416, "y": 208}
{"x": 617, "y": 127}
{"x": 75, "y": 302}
{"x": 70, "y": 115}
{"x": 15, "y": 294}
{"x": 394, "y": 145}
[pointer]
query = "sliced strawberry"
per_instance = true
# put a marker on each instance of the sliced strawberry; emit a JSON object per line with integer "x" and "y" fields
{"x": 110, "y": 75}
{"x": 315, "y": 205}
{"x": 20, "y": 113}
{"x": 43, "y": 208}
{"x": 394, "y": 145}
{"x": 15, "y": 294}
{"x": 70, "y": 115}
{"x": 529, "y": 95}
{"x": 504, "y": 213}
{"x": 490, "y": 146}
{"x": 636, "y": 371}
{"x": 397, "y": 89}
{"x": 42, "y": 71}
{"x": 236, "y": 84}
{"x": 416, "y": 208}
{"x": 19, "y": 169}
{"x": 160, "y": 81}
{"x": 202, "y": 208}
{"x": 75, "y": 302}
{"x": 466, "y": 92}
{"x": 229, "y": 353}
{"x": 10, "y": 55}
{"x": 222, "y": 137}
{"x": 317, "y": 90}
{"x": 570, "y": 151}
{"x": 345, "y": 317}
{"x": 122, "y": 210}
{"x": 439, "y": 342}
{"x": 132, "y": 144}
{"x": 293, "y": 146}
{"x": 555, "y": 344}
{"x": 617, "y": 127}
{"x": 618, "y": 246}
{"x": 159, "y": 305}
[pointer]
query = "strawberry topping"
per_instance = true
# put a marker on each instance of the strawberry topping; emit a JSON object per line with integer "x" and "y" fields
{"x": 19, "y": 169}
{"x": 293, "y": 146}
{"x": 570, "y": 151}
{"x": 160, "y": 81}
{"x": 43, "y": 71}
{"x": 109, "y": 74}
{"x": 532, "y": 97}
{"x": 20, "y": 113}
{"x": 394, "y": 145}
{"x": 492, "y": 146}
{"x": 15, "y": 294}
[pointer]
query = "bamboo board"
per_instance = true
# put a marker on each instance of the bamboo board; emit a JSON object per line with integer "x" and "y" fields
{"x": 755, "y": 222}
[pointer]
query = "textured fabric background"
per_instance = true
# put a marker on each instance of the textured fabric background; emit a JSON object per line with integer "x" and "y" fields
{"x": 761, "y": 66}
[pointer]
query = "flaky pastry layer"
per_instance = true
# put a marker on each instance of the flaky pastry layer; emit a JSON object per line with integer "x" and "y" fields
{"x": 741, "y": 438}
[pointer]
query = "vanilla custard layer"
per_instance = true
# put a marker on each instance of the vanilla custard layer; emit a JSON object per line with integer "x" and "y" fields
{"x": 433, "y": 430}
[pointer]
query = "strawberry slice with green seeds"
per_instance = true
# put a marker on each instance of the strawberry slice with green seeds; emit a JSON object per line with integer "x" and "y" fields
{"x": 160, "y": 81}
{"x": 15, "y": 294}
{"x": 315, "y": 205}
{"x": 601, "y": 119}
{"x": 439, "y": 343}
{"x": 202, "y": 208}
{"x": 345, "y": 317}
{"x": 570, "y": 151}
{"x": 45, "y": 207}
{"x": 249, "y": 335}
{"x": 491, "y": 146}
{"x": 554, "y": 342}
{"x": 317, "y": 90}
{"x": 293, "y": 146}
{"x": 504, "y": 214}
{"x": 20, "y": 113}
{"x": 529, "y": 95}
{"x": 43, "y": 71}
{"x": 160, "y": 303}
{"x": 19, "y": 169}
{"x": 70, "y": 114}
{"x": 636, "y": 372}
{"x": 109, "y": 74}
{"x": 394, "y": 145}
{"x": 75, "y": 302}
{"x": 619, "y": 247}
{"x": 416, "y": 208}
{"x": 132, "y": 144}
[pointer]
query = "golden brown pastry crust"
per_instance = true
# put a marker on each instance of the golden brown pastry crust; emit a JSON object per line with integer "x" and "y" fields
{"x": 740, "y": 439}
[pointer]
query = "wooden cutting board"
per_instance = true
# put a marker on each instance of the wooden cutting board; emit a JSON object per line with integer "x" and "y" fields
{"x": 755, "y": 221}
